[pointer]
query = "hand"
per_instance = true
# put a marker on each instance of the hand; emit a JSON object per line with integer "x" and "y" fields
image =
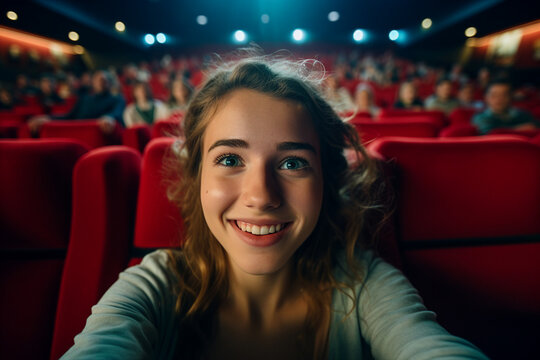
{"x": 106, "y": 124}
{"x": 35, "y": 123}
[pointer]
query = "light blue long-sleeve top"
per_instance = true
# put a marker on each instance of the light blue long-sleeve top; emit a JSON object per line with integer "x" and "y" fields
{"x": 135, "y": 319}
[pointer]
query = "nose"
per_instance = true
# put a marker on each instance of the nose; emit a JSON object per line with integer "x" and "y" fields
{"x": 260, "y": 188}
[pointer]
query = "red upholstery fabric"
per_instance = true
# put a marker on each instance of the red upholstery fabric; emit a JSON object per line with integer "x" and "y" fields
{"x": 9, "y": 129}
{"x": 35, "y": 213}
{"x": 85, "y": 131}
{"x": 105, "y": 191}
{"x": 437, "y": 114}
{"x": 137, "y": 137}
{"x": 166, "y": 128}
{"x": 370, "y": 130}
{"x": 459, "y": 130}
{"x": 454, "y": 195}
{"x": 158, "y": 221}
{"x": 489, "y": 174}
{"x": 461, "y": 116}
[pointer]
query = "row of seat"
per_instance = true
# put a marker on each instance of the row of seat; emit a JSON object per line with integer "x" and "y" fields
{"x": 467, "y": 231}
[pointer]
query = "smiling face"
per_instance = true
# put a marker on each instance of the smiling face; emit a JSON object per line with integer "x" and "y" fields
{"x": 261, "y": 179}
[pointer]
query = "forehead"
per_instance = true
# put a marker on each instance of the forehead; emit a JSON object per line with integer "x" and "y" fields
{"x": 261, "y": 120}
{"x": 499, "y": 88}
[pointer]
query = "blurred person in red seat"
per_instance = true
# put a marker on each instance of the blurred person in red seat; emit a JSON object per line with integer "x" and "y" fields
{"x": 364, "y": 100}
{"x": 145, "y": 109}
{"x": 466, "y": 97}
{"x": 499, "y": 112}
{"x": 47, "y": 95}
{"x": 181, "y": 93}
{"x": 277, "y": 260}
{"x": 338, "y": 95}
{"x": 6, "y": 100}
{"x": 408, "y": 97}
{"x": 442, "y": 99}
{"x": 99, "y": 104}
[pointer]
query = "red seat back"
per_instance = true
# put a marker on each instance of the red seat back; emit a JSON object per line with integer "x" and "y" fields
{"x": 137, "y": 137}
{"x": 158, "y": 222}
{"x": 166, "y": 128}
{"x": 104, "y": 197}
{"x": 35, "y": 214}
{"x": 370, "y": 130}
{"x": 85, "y": 131}
{"x": 468, "y": 223}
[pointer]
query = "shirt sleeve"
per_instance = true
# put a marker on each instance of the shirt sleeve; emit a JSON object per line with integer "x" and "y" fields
{"x": 135, "y": 317}
{"x": 396, "y": 324}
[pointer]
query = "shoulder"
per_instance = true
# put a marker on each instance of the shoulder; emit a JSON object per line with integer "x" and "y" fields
{"x": 136, "y": 316}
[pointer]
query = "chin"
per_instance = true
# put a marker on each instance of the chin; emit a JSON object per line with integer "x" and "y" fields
{"x": 260, "y": 264}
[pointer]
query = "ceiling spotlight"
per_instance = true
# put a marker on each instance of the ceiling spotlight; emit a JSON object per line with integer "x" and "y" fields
{"x": 12, "y": 15}
{"x": 298, "y": 35}
{"x": 120, "y": 26}
{"x": 358, "y": 35}
{"x": 470, "y": 32}
{"x": 333, "y": 16}
{"x": 73, "y": 36}
{"x": 161, "y": 38}
{"x": 149, "y": 39}
{"x": 265, "y": 18}
{"x": 240, "y": 36}
{"x": 393, "y": 35}
{"x": 202, "y": 20}
{"x": 426, "y": 23}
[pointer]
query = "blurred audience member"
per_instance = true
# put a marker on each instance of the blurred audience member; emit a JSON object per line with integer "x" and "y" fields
{"x": 99, "y": 104}
{"x": 442, "y": 99}
{"x": 181, "y": 92}
{"x": 364, "y": 100}
{"x": 500, "y": 113}
{"x": 466, "y": 97}
{"x": 6, "y": 100}
{"x": 23, "y": 88}
{"x": 47, "y": 93}
{"x": 145, "y": 109}
{"x": 338, "y": 96}
{"x": 408, "y": 98}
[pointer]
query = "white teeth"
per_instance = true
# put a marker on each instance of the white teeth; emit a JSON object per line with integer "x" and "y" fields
{"x": 259, "y": 229}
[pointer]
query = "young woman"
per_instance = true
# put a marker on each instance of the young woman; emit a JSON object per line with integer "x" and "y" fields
{"x": 181, "y": 92}
{"x": 276, "y": 262}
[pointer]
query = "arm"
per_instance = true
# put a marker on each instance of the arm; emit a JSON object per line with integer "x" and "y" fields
{"x": 135, "y": 317}
{"x": 397, "y": 325}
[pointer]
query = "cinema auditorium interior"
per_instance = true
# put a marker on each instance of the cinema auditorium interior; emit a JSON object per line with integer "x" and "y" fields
{"x": 376, "y": 193}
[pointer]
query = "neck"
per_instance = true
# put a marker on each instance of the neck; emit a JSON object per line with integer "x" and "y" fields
{"x": 259, "y": 297}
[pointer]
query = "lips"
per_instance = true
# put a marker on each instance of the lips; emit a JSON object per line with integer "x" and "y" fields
{"x": 260, "y": 229}
{"x": 262, "y": 234}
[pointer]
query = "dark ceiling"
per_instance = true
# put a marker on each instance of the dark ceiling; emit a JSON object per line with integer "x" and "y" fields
{"x": 94, "y": 20}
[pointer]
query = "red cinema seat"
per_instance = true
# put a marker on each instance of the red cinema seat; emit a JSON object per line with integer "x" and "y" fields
{"x": 459, "y": 130}
{"x": 137, "y": 137}
{"x": 35, "y": 215}
{"x": 85, "y": 131}
{"x": 370, "y": 130}
{"x": 461, "y": 116}
{"x": 158, "y": 221}
{"x": 468, "y": 225}
{"x": 438, "y": 115}
{"x": 166, "y": 128}
{"x": 105, "y": 183}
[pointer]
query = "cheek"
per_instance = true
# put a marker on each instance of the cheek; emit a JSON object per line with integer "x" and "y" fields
{"x": 217, "y": 195}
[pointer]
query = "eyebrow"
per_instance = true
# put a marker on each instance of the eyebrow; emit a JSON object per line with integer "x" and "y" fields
{"x": 284, "y": 146}
{"x": 289, "y": 145}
